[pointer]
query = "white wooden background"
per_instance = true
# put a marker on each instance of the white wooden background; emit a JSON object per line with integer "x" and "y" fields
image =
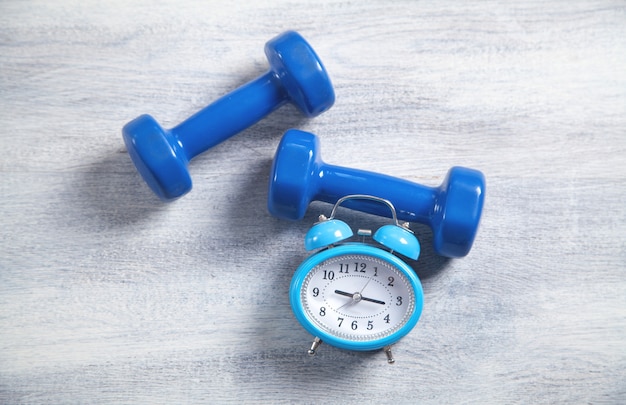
{"x": 109, "y": 296}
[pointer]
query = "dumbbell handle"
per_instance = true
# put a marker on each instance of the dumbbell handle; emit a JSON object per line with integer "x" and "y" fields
{"x": 230, "y": 114}
{"x": 413, "y": 202}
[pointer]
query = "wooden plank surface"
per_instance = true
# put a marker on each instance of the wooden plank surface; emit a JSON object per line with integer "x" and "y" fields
{"x": 109, "y": 296}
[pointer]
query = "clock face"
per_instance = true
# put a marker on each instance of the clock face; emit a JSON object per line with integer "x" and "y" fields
{"x": 359, "y": 298}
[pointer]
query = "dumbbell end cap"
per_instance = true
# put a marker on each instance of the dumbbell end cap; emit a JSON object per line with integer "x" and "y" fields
{"x": 301, "y": 73}
{"x": 459, "y": 211}
{"x": 292, "y": 177}
{"x": 160, "y": 162}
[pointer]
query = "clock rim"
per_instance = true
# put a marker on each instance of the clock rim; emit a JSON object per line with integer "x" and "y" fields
{"x": 346, "y": 249}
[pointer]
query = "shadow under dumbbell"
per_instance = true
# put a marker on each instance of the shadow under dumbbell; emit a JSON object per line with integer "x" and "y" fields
{"x": 429, "y": 263}
{"x": 249, "y": 208}
{"x": 110, "y": 193}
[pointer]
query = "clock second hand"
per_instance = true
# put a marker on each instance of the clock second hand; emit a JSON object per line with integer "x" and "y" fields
{"x": 368, "y": 281}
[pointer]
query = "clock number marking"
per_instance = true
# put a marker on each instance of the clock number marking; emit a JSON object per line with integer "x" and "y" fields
{"x": 358, "y": 267}
{"x": 329, "y": 274}
{"x": 391, "y": 279}
{"x": 323, "y": 311}
{"x": 398, "y": 301}
{"x": 354, "y": 325}
{"x": 340, "y": 321}
{"x": 316, "y": 292}
{"x": 387, "y": 320}
{"x": 370, "y": 325}
{"x": 375, "y": 271}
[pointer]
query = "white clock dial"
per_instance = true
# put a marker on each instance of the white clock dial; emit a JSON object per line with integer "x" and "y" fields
{"x": 357, "y": 297}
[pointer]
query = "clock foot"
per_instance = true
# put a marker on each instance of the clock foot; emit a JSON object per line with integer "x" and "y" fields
{"x": 316, "y": 343}
{"x": 390, "y": 358}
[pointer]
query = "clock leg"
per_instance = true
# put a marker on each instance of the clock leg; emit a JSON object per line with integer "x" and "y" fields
{"x": 390, "y": 358}
{"x": 316, "y": 343}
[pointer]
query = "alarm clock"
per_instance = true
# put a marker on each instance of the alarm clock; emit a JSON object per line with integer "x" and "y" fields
{"x": 357, "y": 295}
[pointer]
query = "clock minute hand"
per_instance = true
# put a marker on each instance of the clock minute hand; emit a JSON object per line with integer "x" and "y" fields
{"x": 373, "y": 300}
{"x": 356, "y": 297}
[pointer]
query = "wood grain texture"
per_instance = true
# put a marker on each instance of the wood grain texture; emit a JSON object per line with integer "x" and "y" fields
{"x": 109, "y": 296}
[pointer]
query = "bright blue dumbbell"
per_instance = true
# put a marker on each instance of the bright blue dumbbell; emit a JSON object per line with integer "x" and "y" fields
{"x": 296, "y": 74}
{"x": 452, "y": 210}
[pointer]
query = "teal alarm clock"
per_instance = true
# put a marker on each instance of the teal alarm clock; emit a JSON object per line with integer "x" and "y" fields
{"x": 356, "y": 295}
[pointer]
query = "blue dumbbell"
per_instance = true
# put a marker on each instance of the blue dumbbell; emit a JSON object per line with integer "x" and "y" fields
{"x": 296, "y": 74}
{"x": 452, "y": 210}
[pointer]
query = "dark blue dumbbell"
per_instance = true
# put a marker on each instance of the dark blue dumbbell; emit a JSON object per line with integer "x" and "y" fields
{"x": 296, "y": 74}
{"x": 452, "y": 210}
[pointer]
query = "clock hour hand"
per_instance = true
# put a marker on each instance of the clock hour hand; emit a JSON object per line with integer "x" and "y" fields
{"x": 356, "y": 297}
{"x": 347, "y": 294}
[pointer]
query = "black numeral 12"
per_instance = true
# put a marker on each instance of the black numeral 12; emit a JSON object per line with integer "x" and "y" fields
{"x": 358, "y": 267}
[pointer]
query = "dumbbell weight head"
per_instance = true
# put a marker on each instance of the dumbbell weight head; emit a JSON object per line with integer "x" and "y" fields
{"x": 301, "y": 73}
{"x": 158, "y": 157}
{"x": 457, "y": 212}
{"x": 296, "y": 74}
{"x": 299, "y": 176}
{"x": 294, "y": 174}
